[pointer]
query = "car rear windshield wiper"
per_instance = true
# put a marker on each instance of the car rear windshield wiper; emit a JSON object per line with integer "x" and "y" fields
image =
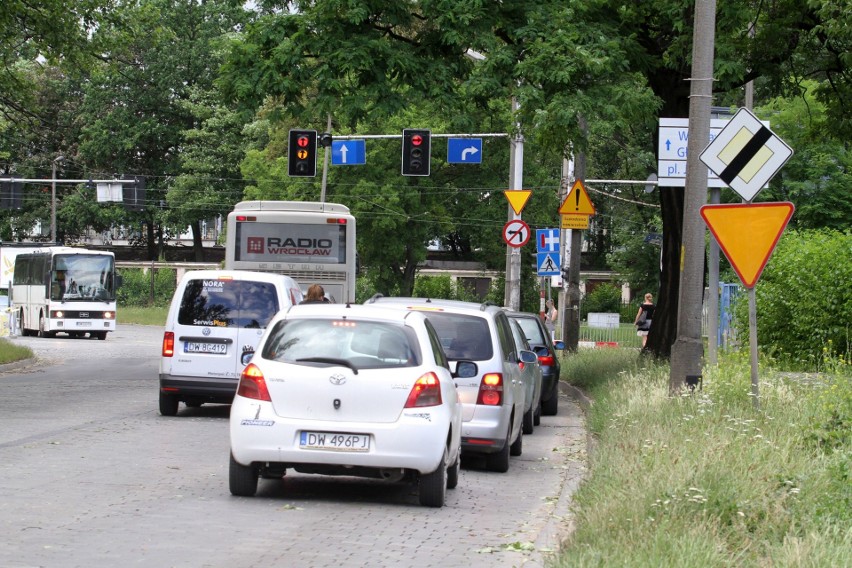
{"x": 330, "y": 361}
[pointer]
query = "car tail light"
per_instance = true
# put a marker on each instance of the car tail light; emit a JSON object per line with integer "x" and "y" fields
{"x": 546, "y": 360}
{"x": 491, "y": 390}
{"x": 252, "y": 384}
{"x": 168, "y": 344}
{"x": 425, "y": 392}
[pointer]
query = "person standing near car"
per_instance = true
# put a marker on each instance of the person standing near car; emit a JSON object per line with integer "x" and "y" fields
{"x": 643, "y": 318}
{"x": 551, "y": 314}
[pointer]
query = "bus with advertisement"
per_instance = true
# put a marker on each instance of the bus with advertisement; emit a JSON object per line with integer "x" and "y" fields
{"x": 312, "y": 242}
{"x": 64, "y": 289}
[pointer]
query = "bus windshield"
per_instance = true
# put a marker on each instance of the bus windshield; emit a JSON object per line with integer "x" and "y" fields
{"x": 82, "y": 277}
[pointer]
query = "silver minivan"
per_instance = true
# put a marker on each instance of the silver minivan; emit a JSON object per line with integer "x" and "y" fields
{"x": 215, "y": 317}
{"x": 493, "y": 401}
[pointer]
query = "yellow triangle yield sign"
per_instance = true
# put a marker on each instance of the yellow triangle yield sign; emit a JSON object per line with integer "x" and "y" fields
{"x": 748, "y": 233}
{"x": 518, "y": 199}
{"x": 577, "y": 202}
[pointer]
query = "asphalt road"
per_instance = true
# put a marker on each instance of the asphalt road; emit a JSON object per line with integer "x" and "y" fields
{"x": 91, "y": 475}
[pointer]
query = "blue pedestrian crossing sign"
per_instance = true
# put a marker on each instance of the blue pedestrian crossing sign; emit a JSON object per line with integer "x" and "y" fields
{"x": 548, "y": 264}
{"x": 547, "y": 240}
{"x": 348, "y": 152}
{"x": 464, "y": 150}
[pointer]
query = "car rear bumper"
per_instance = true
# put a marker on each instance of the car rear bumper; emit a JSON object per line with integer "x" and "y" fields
{"x": 549, "y": 385}
{"x": 416, "y": 441}
{"x": 486, "y": 431}
{"x": 219, "y": 390}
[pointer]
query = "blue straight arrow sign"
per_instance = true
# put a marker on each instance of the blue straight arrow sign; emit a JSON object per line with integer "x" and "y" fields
{"x": 348, "y": 152}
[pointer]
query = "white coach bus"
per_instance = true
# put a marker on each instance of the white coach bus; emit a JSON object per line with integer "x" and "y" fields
{"x": 312, "y": 242}
{"x": 64, "y": 289}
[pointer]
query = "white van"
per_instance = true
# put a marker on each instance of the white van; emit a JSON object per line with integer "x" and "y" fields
{"x": 215, "y": 317}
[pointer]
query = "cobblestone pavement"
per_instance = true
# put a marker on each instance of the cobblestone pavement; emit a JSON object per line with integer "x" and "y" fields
{"x": 92, "y": 476}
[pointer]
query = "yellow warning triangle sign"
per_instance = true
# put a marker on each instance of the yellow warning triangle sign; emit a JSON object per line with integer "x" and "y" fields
{"x": 518, "y": 199}
{"x": 747, "y": 233}
{"x": 577, "y": 202}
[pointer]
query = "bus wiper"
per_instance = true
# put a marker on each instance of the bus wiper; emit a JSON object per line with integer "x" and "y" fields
{"x": 330, "y": 361}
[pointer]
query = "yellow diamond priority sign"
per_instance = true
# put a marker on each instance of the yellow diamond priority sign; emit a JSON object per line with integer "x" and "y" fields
{"x": 746, "y": 154}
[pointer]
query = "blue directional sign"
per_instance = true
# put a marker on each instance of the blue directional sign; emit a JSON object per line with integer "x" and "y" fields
{"x": 464, "y": 150}
{"x": 348, "y": 152}
{"x": 547, "y": 240}
{"x": 548, "y": 264}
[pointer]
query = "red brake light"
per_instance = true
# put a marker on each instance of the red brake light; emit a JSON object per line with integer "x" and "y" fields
{"x": 425, "y": 392}
{"x": 168, "y": 344}
{"x": 546, "y": 360}
{"x": 491, "y": 390}
{"x": 252, "y": 384}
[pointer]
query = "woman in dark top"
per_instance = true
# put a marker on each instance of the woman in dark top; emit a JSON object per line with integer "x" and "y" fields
{"x": 644, "y": 326}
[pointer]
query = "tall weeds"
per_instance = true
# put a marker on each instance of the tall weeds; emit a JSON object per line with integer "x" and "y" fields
{"x": 704, "y": 479}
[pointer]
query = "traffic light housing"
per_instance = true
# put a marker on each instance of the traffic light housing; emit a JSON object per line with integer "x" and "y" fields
{"x": 416, "y": 148}
{"x": 134, "y": 194}
{"x": 302, "y": 153}
{"x": 11, "y": 194}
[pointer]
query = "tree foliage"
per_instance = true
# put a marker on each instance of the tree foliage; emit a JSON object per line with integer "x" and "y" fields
{"x": 804, "y": 298}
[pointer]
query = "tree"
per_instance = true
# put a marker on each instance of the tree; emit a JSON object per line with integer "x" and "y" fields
{"x": 818, "y": 177}
{"x": 138, "y": 108}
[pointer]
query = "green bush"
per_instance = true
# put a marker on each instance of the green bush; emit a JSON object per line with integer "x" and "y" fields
{"x": 135, "y": 289}
{"x": 605, "y": 298}
{"x": 441, "y": 287}
{"x": 804, "y": 300}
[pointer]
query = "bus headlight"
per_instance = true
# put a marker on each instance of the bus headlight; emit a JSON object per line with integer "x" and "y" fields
{"x": 109, "y": 315}
{"x": 57, "y": 314}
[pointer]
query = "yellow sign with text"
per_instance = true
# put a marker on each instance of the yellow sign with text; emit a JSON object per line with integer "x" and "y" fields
{"x": 575, "y": 222}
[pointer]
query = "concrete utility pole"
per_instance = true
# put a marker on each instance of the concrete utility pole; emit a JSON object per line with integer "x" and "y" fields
{"x": 53, "y": 198}
{"x": 571, "y": 316}
{"x": 564, "y": 246}
{"x": 512, "y": 294}
{"x": 688, "y": 348}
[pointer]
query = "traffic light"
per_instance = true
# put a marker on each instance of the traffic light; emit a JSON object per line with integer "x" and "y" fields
{"x": 302, "y": 153}
{"x": 11, "y": 194}
{"x": 416, "y": 147}
{"x": 134, "y": 194}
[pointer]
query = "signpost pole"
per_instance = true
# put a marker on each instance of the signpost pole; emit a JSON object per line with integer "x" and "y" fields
{"x": 752, "y": 340}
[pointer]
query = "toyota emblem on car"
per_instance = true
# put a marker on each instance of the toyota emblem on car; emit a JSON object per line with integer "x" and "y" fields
{"x": 337, "y": 379}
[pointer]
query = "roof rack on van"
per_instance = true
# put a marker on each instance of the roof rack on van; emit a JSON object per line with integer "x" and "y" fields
{"x": 375, "y": 297}
{"x": 485, "y": 305}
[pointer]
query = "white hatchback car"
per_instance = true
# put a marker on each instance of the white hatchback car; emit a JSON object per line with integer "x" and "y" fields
{"x": 354, "y": 390}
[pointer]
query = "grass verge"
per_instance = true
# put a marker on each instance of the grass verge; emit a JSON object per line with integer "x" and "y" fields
{"x": 9, "y": 352}
{"x": 142, "y": 316}
{"x": 706, "y": 480}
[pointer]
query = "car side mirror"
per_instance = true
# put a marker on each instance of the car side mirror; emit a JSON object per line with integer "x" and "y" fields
{"x": 528, "y": 357}
{"x": 466, "y": 370}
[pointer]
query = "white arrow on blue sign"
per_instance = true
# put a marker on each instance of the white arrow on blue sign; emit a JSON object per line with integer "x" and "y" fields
{"x": 348, "y": 152}
{"x": 548, "y": 264}
{"x": 464, "y": 150}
